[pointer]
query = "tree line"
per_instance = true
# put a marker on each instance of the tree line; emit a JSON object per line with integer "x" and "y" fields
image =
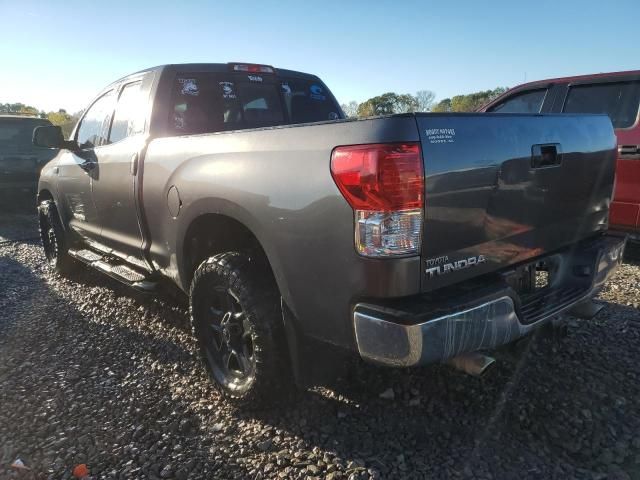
{"x": 61, "y": 118}
{"x": 423, "y": 101}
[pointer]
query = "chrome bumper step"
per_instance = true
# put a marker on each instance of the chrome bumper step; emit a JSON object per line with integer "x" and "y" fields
{"x": 398, "y": 336}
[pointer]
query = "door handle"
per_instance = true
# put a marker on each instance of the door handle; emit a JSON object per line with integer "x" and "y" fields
{"x": 629, "y": 152}
{"x": 134, "y": 164}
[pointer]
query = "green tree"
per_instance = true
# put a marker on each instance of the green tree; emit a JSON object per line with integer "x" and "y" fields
{"x": 19, "y": 108}
{"x": 424, "y": 99}
{"x": 442, "y": 106}
{"x": 387, "y": 104}
{"x": 59, "y": 118}
{"x": 27, "y": 110}
{"x": 350, "y": 109}
{"x": 63, "y": 120}
{"x": 468, "y": 103}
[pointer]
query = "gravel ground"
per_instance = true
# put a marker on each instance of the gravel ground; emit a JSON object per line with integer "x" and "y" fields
{"x": 91, "y": 372}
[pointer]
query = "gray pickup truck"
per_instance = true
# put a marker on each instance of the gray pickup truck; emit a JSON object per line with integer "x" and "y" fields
{"x": 302, "y": 237}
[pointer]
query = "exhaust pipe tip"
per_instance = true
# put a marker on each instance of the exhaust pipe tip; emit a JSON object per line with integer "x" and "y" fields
{"x": 474, "y": 363}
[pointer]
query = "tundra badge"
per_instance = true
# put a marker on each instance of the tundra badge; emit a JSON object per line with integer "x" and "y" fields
{"x": 441, "y": 265}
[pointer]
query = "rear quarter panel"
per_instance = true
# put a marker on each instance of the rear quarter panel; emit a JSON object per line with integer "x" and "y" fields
{"x": 277, "y": 183}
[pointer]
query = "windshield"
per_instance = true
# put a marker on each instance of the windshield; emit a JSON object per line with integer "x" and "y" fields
{"x": 18, "y": 132}
{"x": 213, "y": 102}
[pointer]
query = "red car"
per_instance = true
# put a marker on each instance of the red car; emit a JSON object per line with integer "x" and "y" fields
{"x": 616, "y": 94}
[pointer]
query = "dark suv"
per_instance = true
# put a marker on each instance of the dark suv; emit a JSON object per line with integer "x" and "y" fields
{"x": 616, "y": 94}
{"x": 20, "y": 161}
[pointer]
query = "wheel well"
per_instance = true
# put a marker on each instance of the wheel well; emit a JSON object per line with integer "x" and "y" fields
{"x": 211, "y": 234}
{"x": 44, "y": 195}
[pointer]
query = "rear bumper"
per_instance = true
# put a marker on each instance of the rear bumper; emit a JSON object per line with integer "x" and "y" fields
{"x": 398, "y": 334}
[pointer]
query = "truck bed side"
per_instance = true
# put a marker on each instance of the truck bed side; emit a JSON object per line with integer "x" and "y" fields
{"x": 277, "y": 183}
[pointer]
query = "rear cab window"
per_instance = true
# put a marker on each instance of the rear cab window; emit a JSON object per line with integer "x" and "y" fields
{"x": 214, "y": 102}
{"x": 619, "y": 100}
{"x": 525, "y": 102}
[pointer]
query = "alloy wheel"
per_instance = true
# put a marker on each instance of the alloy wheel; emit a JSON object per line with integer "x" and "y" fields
{"x": 229, "y": 339}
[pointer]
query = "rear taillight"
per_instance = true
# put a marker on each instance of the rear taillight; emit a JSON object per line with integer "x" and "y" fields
{"x": 384, "y": 184}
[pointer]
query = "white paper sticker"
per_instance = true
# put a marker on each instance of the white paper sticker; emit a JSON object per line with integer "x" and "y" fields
{"x": 441, "y": 135}
{"x": 227, "y": 90}
{"x": 189, "y": 86}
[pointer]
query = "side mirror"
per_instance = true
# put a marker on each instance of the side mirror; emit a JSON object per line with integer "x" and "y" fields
{"x": 48, "y": 137}
{"x": 51, "y": 137}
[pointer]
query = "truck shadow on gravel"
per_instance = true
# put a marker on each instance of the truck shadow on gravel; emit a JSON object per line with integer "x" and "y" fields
{"x": 94, "y": 372}
{"x": 81, "y": 383}
{"x": 561, "y": 408}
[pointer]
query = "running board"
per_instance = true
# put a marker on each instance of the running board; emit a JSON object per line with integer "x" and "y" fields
{"x": 122, "y": 273}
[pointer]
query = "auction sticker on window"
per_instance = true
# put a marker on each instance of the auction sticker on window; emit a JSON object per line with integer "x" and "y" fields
{"x": 227, "y": 90}
{"x": 189, "y": 86}
{"x": 441, "y": 135}
{"x": 316, "y": 93}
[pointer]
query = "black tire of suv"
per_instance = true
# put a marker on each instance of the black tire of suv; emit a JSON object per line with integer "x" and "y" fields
{"x": 53, "y": 239}
{"x": 265, "y": 374}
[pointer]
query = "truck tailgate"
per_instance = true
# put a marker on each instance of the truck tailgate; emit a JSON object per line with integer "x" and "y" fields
{"x": 504, "y": 188}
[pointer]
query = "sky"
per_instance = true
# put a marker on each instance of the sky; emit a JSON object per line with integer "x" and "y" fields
{"x": 59, "y": 54}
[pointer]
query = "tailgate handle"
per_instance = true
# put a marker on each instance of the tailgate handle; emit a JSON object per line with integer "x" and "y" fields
{"x": 547, "y": 155}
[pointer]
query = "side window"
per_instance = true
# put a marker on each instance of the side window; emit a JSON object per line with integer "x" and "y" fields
{"x": 94, "y": 127}
{"x": 618, "y": 100}
{"x": 526, "y": 102}
{"x": 129, "y": 117}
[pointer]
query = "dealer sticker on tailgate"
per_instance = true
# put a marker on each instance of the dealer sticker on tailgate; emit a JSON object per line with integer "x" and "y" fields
{"x": 441, "y": 135}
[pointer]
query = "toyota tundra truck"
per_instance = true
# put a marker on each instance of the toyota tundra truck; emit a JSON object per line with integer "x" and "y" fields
{"x": 301, "y": 237}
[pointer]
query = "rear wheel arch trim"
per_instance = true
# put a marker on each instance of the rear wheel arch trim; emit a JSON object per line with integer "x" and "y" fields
{"x": 45, "y": 194}
{"x": 234, "y": 213}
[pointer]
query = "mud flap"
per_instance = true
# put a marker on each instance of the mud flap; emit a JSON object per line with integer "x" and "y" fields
{"x": 312, "y": 362}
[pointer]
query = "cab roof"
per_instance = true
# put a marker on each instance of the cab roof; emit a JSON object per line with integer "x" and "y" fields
{"x": 215, "y": 68}
{"x": 22, "y": 117}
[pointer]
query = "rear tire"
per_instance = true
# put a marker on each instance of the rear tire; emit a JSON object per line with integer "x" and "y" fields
{"x": 237, "y": 320}
{"x": 53, "y": 239}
